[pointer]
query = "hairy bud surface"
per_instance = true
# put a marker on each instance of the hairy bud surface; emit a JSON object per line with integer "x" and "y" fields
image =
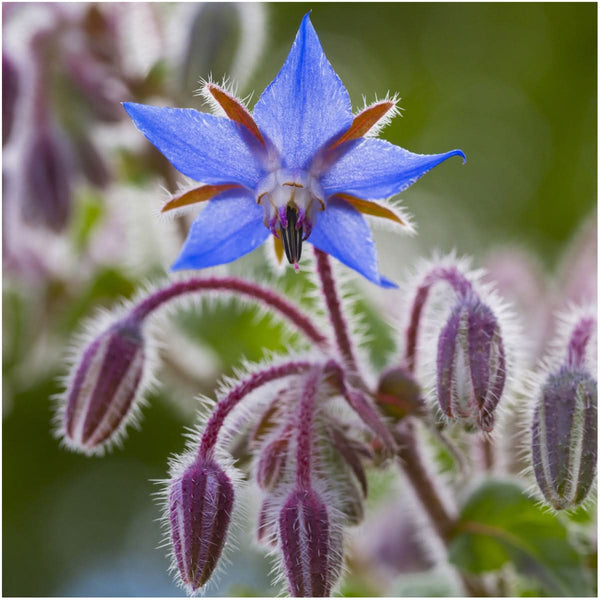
{"x": 564, "y": 437}
{"x": 105, "y": 386}
{"x": 308, "y": 545}
{"x": 200, "y": 505}
{"x": 471, "y": 363}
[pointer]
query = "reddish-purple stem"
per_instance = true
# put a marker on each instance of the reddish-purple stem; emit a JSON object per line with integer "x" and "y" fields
{"x": 227, "y": 404}
{"x": 237, "y": 286}
{"x": 579, "y": 340}
{"x": 450, "y": 275}
{"x": 442, "y": 518}
{"x": 334, "y": 309}
{"x": 304, "y": 426}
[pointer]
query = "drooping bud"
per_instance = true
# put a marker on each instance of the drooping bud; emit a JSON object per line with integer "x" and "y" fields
{"x": 47, "y": 196}
{"x": 564, "y": 437}
{"x": 104, "y": 386}
{"x": 311, "y": 547}
{"x": 471, "y": 366}
{"x": 399, "y": 395}
{"x": 200, "y": 505}
{"x": 272, "y": 461}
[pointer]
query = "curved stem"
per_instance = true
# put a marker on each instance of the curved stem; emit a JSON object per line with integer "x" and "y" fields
{"x": 334, "y": 309}
{"x": 229, "y": 402}
{"x": 304, "y": 427}
{"x": 234, "y": 285}
{"x": 459, "y": 284}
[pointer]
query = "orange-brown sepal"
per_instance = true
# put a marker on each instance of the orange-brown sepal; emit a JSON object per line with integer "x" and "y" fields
{"x": 198, "y": 194}
{"x": 235, "y": 110}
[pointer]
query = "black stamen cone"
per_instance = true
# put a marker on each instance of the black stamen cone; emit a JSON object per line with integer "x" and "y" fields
{"x": 292, "y": 237}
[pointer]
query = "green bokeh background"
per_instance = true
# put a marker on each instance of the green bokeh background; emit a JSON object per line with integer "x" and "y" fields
{"x": 513, "y": 85}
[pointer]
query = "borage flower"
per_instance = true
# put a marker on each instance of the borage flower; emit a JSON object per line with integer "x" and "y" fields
{"x": 300, "y": 168}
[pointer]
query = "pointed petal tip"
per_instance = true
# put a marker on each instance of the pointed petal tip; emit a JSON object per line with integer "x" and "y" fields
{"x": 458, "y": 153}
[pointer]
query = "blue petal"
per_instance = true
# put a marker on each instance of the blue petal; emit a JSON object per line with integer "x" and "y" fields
{"x": 206, "y": 148}
{"x": 230, "y": 226}
{"x": 306, "y": 104}
{"x": 375, "y": 169}
{"x": 342, "y": 232}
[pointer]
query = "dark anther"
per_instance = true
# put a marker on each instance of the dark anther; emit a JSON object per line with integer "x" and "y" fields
{"x": 292, "y": 237}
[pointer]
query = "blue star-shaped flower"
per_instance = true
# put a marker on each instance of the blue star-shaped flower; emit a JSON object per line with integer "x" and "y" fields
{"x": 299, "y": 168}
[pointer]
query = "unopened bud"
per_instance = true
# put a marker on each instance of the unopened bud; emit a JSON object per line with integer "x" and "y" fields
{"x": 272, "y": 461}
{"x": 399, "y": 395}
{"x": 564, "y": 437}
{"x": 311, "y": 548}
{"x": 104, "y": 387}
{"x": 47, "y": 196}
{"x": 471, "y": 363}
{"x": 200, "y": 505}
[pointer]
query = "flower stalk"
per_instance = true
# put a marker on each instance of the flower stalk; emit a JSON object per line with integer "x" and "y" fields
{"x": 334, "y": 309}
{"x": 229, "y": 402}
{"x": 233, "y": 285}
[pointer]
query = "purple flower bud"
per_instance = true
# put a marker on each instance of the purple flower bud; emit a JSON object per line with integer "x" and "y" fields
{"x": 564, "y": 437}
{"x": 47, "y": 197}
{"x": 272, "y": 461}
{"x": 471, "y": 363}
{"x": 105, "y": 384}
{"x": 399, "y": 395}
{"x": 10, "y": 90}
{"x": 200, "y": 504}
{"x": 311, "y": 549}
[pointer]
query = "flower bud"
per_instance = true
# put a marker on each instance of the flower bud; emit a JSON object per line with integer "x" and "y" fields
{"x": 471, "y": 363}
{"x": 310, "y": 546}
{"x": 564, "y": 437}
{"x": 200, "y": 505}
{"x": 272, "y": 461}
{"x": 105, "y": 385}
{"x": 47, "y": 196}
{"x": 399, "y": 395}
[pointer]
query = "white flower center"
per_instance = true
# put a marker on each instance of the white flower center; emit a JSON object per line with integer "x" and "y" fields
{"x": 290, "y": 199}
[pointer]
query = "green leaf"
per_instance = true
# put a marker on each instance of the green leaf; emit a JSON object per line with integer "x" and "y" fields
{"x": 89, "y": 214}
{"x": 500, "y": 523}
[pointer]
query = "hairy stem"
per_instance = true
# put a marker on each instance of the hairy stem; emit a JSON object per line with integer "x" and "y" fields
{"x": 229, "y": 402}
{"x": 334, "y": 309}
{"x": 237, "y": 286}
{"x": 304, "y": 427}
{"x": 442, "y": 518}
{"x": 459, "y": 284}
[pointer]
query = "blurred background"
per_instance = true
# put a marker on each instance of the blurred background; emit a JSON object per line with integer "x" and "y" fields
{"x": 513, "y": 85}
